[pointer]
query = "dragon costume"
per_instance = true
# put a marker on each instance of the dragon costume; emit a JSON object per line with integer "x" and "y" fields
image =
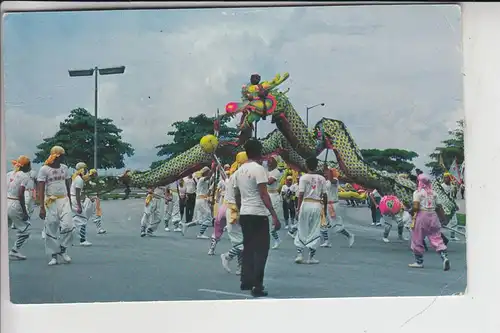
{"x": 291, "y": 140}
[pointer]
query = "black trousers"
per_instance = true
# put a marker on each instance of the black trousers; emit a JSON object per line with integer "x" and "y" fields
{"x": 182, "y": 206}
{"x": 190, "y": 202}
{"x": 288, "y": 210}
{"x": 256, "y": 241}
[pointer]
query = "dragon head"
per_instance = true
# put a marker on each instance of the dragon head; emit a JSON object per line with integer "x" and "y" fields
{"x": 258, "y": 100}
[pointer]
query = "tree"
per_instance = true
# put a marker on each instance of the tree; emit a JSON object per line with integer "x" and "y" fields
{"x": 391, "y": 160}
{"x": 188, "y": 133}
{"x": 76, "y": 136}
{"x": 452, "y": 148}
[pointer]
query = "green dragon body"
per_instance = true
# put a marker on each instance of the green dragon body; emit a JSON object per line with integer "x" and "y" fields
{"x": 292, "y": 140}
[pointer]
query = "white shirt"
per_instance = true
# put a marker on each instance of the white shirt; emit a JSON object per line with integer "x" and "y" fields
{"x": 286, "y": 192}
{"x": 447, "y": 188}
{"x": 312, "y": 186}
{"x": 31, "y": 184}
{"x": 427, "y": 202}
{"x": 276, "y": 175}
{"x": 190, "y": 185}
{"x": 222, "y": 187}
{"x": 294, "y": 188}
{"x": 182, "y": 191}
{"x": 202, "y": 188}
{"x": 17, "y": 180}
{"x": 10, "y": 175}
{"x": 247, "y": 179}
{"x": 159, "y": 191}
{"x": 332, "y": 190}
{"x": 229, "y": 195}
{"x": 55, "y": 179}
{"x": 76, "y": 183}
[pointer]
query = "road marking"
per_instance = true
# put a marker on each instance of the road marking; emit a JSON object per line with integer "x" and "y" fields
{"x": 213, "y": 291}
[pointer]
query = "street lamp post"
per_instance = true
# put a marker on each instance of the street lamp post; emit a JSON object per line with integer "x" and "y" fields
{"x": 307, "y": 112}
{"x": 97, "y": 71}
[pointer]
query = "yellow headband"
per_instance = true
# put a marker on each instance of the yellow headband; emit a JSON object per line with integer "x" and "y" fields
{"x": 89, "y": 174}
{"x": 55, "y": 152}
{"x": 20, "y": 162}
{"x": 241, "y": 158}
{"x": 80, "y": 168}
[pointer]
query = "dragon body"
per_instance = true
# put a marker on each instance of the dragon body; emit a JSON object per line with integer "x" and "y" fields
{"x": 293, "y": 141}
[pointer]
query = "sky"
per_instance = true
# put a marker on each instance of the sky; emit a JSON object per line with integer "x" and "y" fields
{"x": 392, "y": 74}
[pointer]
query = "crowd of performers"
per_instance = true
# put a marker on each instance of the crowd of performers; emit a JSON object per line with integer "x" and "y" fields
{"x": 308, "y": 204}
{"x": 63, "y": 206}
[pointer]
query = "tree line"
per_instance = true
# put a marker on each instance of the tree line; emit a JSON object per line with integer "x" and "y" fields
{"x": 76, "y": 135}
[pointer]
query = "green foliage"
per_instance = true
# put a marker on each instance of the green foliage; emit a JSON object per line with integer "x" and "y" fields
{"x": 188, "y": 134}
{"x": 391, "y": 160}
{"x": 76, "y": 136}
{"x": 452, "y": 148}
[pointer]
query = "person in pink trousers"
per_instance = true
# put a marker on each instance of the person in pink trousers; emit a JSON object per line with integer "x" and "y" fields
{"x": 427, "y": 213}
{"x": 219, "y": 225}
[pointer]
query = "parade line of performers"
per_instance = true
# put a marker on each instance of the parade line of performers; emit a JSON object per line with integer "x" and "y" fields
{"x": 308, "y": 206}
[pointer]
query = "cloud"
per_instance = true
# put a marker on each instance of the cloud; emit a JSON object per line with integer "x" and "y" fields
{"x": 391, "y": 73}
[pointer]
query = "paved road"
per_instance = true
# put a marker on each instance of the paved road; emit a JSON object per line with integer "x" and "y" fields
{"x": 121, "y": 266}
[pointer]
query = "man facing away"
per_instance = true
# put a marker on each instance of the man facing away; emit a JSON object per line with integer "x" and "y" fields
{"x": 312, "y": 200}
{"x": 17, "y": 208}
{"x": 54, "y": 183}
{"x": 254, "y": 203}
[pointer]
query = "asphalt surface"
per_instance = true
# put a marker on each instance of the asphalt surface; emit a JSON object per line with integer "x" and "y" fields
{"x": 122, "y": 266}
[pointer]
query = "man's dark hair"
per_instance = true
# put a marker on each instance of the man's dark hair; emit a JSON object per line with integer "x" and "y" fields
{"x": 253, "y": 148}
{"x": 255, "y": 79}
{"x": 312, "y": 163}
{"x": 26, "y": 168}
{"x": 418, "y": 171}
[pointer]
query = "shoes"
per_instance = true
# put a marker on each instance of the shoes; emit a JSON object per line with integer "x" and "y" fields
{"x": 260, "y": 292}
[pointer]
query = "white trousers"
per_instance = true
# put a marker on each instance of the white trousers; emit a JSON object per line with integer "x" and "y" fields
{"x": 277, "y": 203}
{"x": 15, "y": 217}
{"x": 59, "y": 226}
{"x": 151, "y": 217}
{"x": 30, "y": 203}
{"x": 335, "y": 222}
{"x": 234, "y": 232}
{"x": 308, "y": 226}
{"x": 202, "y": 213}
{"x": 88, "y": 209}
{"x": 172, "y": 210}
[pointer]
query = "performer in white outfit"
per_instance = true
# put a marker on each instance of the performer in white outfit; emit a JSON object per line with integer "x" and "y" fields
{"x": 17, "y": 209}
{"x": 96, "y": 211}
{"x": 274, "y": 176}
{"x": 55, "y": 208}
{"x": 448, "y": 188}
{"x": 81, "y": 205}
{"x": 312, "y": 200}
{"x": 333, "y": 210}
{"x": 151, "y": 218}
{"x": 29, "y": 193}
{"x": 400, "y": 222}
{"x": 232, "y": 216}
{"x": 202, "y": 210}
{"x": 172, "y": 207}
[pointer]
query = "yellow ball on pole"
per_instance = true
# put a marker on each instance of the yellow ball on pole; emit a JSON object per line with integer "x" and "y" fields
{"x": 209, "y": 143}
